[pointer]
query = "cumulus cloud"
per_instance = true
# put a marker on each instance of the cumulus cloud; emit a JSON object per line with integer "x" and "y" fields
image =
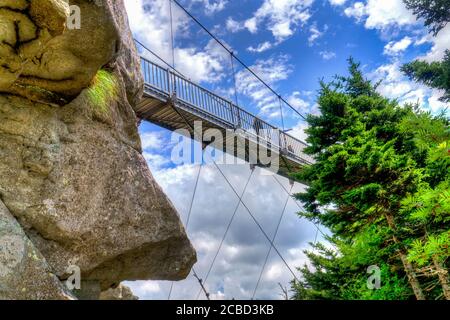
{"x": 392, "y": 15}
{"x": 272, "y": 71}
{"x": 146, "y": 288}
{"x": 440, "y": 43}
{"x": 299, "y": 131}
{"x": 155, "y": 161}
{"x": 233, "y": 25}
{"x": 327, "y": 55}
{"x": 337, "y": 2}
{"x": 395, "y": 85}
{"x": 251, "y": 25}
{"x": 212, "y": 6}
{"x": 150, "y": 23}
{"x": 266, "y": 45}
{"x": 381, "y": 14}
{"x": 152, "y": 140}
{"x": 394, "y": 48}
{"x": 281, "y": 17}
{"x": 296, "y": 100}
{"x": 305, "y": 103}
{"x": 240, "y": 260}
{"x": 356, "y": 11}
{"x": 315, "y": 33}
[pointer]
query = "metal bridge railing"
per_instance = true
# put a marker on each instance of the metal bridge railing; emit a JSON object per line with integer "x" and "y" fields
{"x": 167, "y": 82}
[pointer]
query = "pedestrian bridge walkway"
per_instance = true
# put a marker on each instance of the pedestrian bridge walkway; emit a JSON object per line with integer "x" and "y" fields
{"x": 174, "y": 102}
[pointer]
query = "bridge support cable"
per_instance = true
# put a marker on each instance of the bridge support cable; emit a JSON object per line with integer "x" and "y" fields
{"x": 192, "y": 201}
{"x": 193, "y": 195}
{"x": 289, "y": 194}
{"x": 236, "y": 100}
{"x": 315, "y": 237}
{"x": 170, "y": 291}
{"x": 281, "y": 113}
{"x": 258, "y": 224}
{"x": 159, "y": 58}
{"x": 228, "y": 228}
{"x": 273, "y": 240}
{"x": 200, "y": 281}
{"x": 237, "y": 58}
{"x": 284, "y": 142}
{"x": 190, "y": 212}
{"x": 260, "y": 227}
{"x": 172, "y": 37}
{"x": 298, "y": 205}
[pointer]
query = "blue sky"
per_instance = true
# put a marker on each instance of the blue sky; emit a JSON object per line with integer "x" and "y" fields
{"x": 291, "y": 44}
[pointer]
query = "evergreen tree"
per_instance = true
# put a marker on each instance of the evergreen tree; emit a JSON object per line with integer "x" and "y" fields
{"x": 341, "y": 272}
{"x": 435, "y": 12}
{"x": 428, "y": 210}
{"x": 435, "y": 74}
{"x": 368, "y": 161}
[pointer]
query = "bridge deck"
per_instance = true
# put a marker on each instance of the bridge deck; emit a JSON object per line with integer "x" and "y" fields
{"x": 193, "y": 103}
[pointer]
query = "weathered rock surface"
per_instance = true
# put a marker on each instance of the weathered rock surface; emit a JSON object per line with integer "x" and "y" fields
{"x": 120, "y": 293}
{"x": 74, "y": 178}
{"x": 41, "y": 60}
{"x": 24, "y": 272}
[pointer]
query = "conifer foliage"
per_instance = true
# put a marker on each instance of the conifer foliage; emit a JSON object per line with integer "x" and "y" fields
{"x": 380, "y": 184}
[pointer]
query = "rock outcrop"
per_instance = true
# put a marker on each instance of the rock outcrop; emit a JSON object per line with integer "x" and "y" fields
{"x": 24, "y": 272}
{"x": 120, "y": 293}
{"x": 74, "y": 186}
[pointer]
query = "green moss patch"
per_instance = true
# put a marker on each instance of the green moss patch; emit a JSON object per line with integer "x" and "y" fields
{"x": 102, "y": 91}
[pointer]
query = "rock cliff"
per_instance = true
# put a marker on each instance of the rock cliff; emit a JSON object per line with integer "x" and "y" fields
{"x": 75, "y": 189}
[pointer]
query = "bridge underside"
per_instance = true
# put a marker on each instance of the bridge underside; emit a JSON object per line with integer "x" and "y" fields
{"x": 174, "y": 114}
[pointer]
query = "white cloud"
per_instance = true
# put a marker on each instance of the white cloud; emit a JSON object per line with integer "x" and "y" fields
{"x": 299, "y": 131}
{"x": 316, "y": 33}
{"x": 149, "y": 21}
{"x": 274, "y": 271}
{"x": 271, "y": 71}
{"x": 394, "y": 48}
{"x": 261, "y": 47}
{"x": 305, "y": 103}
{"x": 327, "y": 55}
{"x": 212, "y": 6}
{"x": 424, "y": 39}
{"x": 395, "y": 85}
{"x": 381, "y": 14}
{"x": 251, "y": 24}
{"x": 155, "y": 161}
{"x": 337, "y": 2}
{"x": 152, "y": 140}
{"x": 144, "y": 288}
{"x": 233, "y": 25}
{"x": 281, "y": 17}
{"x": 298, "y": 103}
{"x": 240, "y": 260}
{"x": 357, "y": 11}
{"x": 440, "y": 43}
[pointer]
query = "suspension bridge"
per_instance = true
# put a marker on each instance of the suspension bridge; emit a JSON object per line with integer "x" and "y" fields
{"x": 172, "y": 101}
